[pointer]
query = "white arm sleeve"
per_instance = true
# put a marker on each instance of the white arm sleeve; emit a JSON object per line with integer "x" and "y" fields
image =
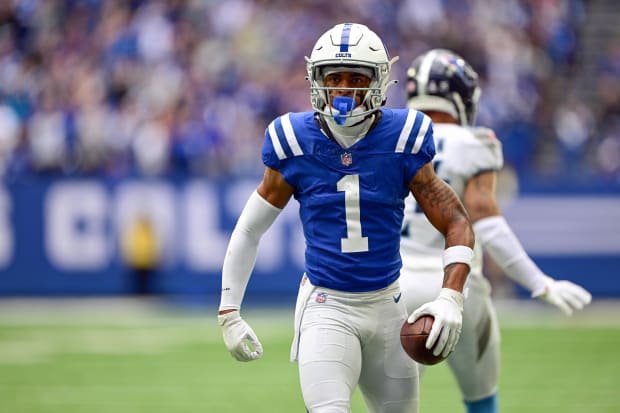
{"x": 255, "y": 219}
{"x": 497, "y": 238}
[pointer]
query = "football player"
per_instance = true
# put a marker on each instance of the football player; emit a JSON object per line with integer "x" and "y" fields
{"x": 445, "y": 87}
{"x": 350, "y": 163}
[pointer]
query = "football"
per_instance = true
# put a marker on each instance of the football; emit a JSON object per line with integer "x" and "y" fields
{"x": 413, "y": 339}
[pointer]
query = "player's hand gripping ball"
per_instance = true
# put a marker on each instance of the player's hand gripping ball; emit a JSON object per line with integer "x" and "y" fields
{"x": 413, "y": 339}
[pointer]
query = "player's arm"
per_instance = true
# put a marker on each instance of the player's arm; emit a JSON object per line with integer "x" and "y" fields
{"x": 259, "y": 213}
{"x": 445, "y": 211}
{"x": 498, "y": 239}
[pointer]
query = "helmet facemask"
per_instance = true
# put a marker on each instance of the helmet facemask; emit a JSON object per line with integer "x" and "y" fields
{"x": 345, "y": 109}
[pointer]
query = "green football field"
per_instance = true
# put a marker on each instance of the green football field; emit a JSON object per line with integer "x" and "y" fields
{"x": 125, "y": 356}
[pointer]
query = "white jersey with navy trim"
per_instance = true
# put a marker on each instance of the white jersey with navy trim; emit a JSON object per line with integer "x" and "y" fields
{"x": 462, "y": 153}
{"x": 351, "y": 200}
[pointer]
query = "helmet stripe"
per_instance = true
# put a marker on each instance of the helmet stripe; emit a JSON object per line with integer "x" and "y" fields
{"x": 425, "y": 70}
{"x": 344, "y": 37}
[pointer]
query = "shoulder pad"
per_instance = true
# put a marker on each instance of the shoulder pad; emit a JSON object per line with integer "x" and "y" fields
{"x": 483, "y": 133}
{"x": 486, "y": 136}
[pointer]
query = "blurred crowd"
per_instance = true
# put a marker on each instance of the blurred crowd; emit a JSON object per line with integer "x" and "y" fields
{"x": 118, "y": 88}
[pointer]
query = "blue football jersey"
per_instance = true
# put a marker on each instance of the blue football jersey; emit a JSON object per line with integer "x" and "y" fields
{"x": 351, "y": 200}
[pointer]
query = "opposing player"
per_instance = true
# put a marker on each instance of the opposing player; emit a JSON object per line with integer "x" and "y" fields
{"x": 445, "y": 87}
{"x": 350, "y": 164}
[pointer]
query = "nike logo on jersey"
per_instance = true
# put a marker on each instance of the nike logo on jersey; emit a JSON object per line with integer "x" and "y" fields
{"x": 397, "y": 297}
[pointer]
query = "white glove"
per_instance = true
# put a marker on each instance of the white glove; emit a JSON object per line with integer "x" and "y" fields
{"x": 237, "y": 334}
{"x": 565, "y": 295}
{"x": 448, "y": 312}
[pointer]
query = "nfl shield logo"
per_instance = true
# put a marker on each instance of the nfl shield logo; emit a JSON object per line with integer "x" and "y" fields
{"x": 321, "y": 298}
{"x": 346, "y": 159}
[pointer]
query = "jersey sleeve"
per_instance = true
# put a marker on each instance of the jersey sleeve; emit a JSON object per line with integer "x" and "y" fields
{"x": 268, "y": 153}
{"x": 416, "y": 140}
{"x": 281, "y": 142}
{"x": 485, "y": 153}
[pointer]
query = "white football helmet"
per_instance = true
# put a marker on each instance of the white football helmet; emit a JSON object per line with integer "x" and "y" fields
{"x": 354, "y": 47}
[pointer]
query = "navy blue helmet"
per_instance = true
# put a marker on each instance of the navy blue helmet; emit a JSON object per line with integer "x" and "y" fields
{"x": 443, "y": 81}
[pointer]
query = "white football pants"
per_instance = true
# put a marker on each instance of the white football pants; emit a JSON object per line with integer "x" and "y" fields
{"x": 345, "y": 339}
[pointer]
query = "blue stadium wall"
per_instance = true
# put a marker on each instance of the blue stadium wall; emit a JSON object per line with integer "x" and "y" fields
{"x": 61, "y": 237}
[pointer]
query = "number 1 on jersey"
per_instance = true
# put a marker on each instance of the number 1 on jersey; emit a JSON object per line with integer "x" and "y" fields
{"x": 354, "y": 242}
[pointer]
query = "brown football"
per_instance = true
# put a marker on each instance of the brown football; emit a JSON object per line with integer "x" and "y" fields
{"x": 413, "y": 339}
